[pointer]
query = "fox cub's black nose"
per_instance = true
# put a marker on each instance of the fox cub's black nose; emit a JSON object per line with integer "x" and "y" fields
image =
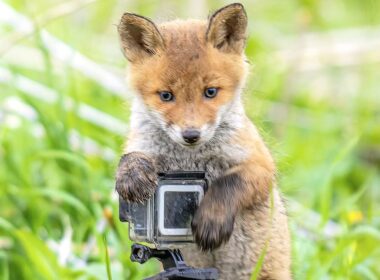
{"x": 191, "y": 135}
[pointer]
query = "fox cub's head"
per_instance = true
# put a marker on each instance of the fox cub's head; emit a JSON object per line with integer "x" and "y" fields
{"x": 189, "y": 74}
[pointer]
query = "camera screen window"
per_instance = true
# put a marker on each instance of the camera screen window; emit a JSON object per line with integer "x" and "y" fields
{"x": 179, "y": 208}
{"x": 176, "y": 208}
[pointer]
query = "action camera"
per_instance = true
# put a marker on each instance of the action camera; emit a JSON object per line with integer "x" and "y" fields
{"x": 165, "y": 219}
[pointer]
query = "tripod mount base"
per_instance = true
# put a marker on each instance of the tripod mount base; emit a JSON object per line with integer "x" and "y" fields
{"x": 174, "y": 265}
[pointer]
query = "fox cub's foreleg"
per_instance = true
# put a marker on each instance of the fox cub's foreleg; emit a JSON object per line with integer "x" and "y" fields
{"x": 136, "y": 177}
{"x": 241, "y": 187}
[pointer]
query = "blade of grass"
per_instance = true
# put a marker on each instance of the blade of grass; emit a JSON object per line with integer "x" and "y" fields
{"x": 107, "y": 257}
{"x": 260, "y": 262}
{"x": 325, "y": 199}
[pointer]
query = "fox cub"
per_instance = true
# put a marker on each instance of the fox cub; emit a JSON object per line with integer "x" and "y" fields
{"x": 187, "y": 114}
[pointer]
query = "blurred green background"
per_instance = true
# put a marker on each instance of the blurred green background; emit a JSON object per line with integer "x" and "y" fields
{"x": 314, "y": 91}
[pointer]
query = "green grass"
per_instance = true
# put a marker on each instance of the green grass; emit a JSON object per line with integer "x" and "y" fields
{"x": 321, "y": 121}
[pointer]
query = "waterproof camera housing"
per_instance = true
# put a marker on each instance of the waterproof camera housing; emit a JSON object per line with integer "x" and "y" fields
{"x": 164, "y": 220}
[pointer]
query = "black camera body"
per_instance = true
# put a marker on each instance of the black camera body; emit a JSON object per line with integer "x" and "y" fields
{"x": 164, "y": 220}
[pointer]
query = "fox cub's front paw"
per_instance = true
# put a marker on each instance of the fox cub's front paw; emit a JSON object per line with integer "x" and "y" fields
{"x": 212, "y": 226}
{"x": 136, "y": 177}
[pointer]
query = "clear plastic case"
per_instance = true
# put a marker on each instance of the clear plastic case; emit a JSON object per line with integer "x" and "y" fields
{"x": 165, "y": 219}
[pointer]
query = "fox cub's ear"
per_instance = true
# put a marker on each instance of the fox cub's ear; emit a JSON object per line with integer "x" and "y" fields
{"x": 227, "y": 29}
{"x": 139, "y": 37}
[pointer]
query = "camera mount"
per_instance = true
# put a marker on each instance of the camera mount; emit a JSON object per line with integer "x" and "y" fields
{"x": 174, "y": 265}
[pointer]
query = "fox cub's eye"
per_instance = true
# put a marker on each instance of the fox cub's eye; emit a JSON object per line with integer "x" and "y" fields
{"x": 210, "y": 92}
{"x": 166, "y": 96}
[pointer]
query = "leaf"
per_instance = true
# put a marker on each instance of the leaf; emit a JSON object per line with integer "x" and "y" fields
{"x": 43, "y": 261}
{"x": 66, "y": 198}
{"x": 4, "y": 224}
{"x": 366, "y": 230}
{"x": 365, "y": 272}
{"x": 67, "y": 156}
{"x": 4, "y": 268}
